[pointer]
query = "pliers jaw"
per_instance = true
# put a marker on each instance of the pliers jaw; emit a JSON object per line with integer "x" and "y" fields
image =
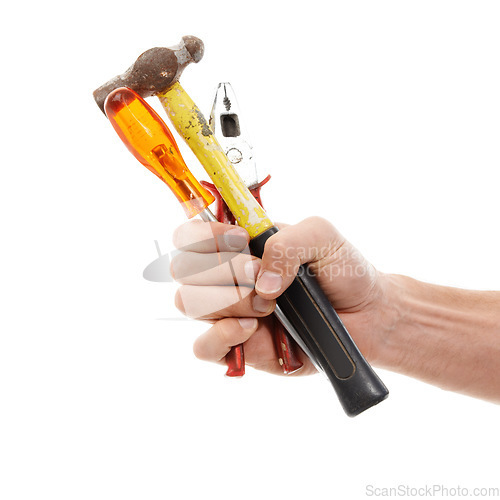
{"x": 226, "y": 124}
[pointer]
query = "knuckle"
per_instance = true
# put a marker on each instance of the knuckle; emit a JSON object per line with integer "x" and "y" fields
{"x": 178, "y": 235}
{"x": 175, "y": 265}
{"x": 199, "y": 349}
{"x": 317, "y": 220}
{"x": 319, "y": 227}
{"x": 178, "y": 301}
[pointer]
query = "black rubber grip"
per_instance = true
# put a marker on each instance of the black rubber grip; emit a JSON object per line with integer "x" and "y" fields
{"x": 326, "y": 339}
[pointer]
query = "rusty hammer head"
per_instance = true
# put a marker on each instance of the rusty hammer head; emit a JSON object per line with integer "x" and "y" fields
{"x": 155, "y": 70}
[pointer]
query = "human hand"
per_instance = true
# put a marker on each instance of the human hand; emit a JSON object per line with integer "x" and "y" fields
{"x": 236, "y": 292}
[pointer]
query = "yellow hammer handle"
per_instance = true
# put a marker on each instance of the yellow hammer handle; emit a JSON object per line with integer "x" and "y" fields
{"x": 192, "y": 126}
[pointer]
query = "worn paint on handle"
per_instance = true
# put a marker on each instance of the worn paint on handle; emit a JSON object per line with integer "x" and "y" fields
{"x": 192, "y": 126}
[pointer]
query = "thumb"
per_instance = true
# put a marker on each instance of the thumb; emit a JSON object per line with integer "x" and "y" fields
{"x": 311, "y": 240}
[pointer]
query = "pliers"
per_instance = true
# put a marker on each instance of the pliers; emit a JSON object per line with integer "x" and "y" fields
{"x": 225, "y": 123}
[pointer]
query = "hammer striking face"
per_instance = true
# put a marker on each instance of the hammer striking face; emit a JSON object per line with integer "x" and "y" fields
{"x": 155, "y": 70}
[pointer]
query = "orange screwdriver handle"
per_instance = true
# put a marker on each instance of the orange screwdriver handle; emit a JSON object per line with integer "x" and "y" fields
{"x": 151, "y": 142}
{"x": 286, "y": 347}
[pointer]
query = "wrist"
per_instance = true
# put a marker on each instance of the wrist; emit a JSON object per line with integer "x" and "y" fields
{"x": 389, "y": 308}
{"x": 445, "y": 336}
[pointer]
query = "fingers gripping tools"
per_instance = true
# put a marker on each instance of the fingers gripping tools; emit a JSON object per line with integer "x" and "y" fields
{"x": 319, "y": 330}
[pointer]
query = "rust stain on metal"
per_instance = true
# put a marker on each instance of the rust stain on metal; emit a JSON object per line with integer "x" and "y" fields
{"x": 155, "y": 70}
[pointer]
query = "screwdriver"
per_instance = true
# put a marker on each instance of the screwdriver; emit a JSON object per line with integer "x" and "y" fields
{"x": 151, "y": 142}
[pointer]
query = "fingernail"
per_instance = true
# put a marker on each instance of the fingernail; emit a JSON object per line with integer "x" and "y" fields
{"x": 269, "y": 282}
{"x": 235, "y": 239}
{"x": 261, "y": 305}
{"x": 252, "y": 268}
{"x": 248, "y": 323}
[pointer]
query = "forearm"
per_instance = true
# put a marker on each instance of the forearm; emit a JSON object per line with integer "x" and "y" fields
{"x": 446, "y": 336}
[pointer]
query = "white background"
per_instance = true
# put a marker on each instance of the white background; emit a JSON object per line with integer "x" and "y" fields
{"x": 381, "y": 116}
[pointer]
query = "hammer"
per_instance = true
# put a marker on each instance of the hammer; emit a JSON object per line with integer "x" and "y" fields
{"x": 313, "y": 322}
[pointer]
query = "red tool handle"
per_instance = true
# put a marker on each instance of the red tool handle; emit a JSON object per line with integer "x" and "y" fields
{"x": 286, "y": 347}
